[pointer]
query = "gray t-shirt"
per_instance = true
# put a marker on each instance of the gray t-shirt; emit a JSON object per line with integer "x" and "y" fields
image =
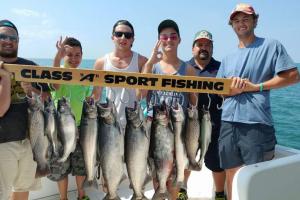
{"x": 156, "y": 97}
{"x": 259, "y": 62}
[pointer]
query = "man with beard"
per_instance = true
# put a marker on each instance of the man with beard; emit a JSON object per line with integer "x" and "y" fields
{"x": 17, "y": 168}
{"x": 207, "y": 66}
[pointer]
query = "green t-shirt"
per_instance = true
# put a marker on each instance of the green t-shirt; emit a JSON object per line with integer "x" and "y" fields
{"x": 76, "y": 94}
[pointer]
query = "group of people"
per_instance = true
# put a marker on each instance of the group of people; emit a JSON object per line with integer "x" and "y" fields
{"x": 242, "y": 132}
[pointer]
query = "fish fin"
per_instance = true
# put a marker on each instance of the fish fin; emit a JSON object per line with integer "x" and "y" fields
{"x": 146, "y": 130}
{"x": 90, "y": 184}
{"x": 134, "y": 197}
{"x": 170, "y": 124}
{"x": 151, "y": 167}
{"x": 124, "y": 177}
{"x": 196, "y": 166}
{"x": 159, "y": 196}
{"x": 180, "y": 184}
{"x": 42, "y": 171}
{"x": 147, "y": 180}
{"x": 121, "y": 131}
{"x": 107, "y": 197}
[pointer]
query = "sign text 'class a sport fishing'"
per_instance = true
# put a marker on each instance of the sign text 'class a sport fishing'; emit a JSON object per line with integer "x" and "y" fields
{"x": 29, "y": 73}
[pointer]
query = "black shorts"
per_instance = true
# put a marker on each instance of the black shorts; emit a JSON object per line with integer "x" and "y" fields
{"x": 245, "y": 144}
{"x": 211, "y": 159}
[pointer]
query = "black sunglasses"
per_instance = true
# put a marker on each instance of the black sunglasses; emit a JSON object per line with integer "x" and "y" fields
{"x": 13, "y": 38}
{"x": 127, "y": 35}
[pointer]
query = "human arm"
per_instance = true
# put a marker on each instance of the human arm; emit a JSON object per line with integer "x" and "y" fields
{"x": 5, "y": 90}
{"x": 97, "y": 90}
{"x": 285, "y": 69}
{"x": 141, "y": 62}
{"x": 60, "y": 54}
{"x": 29, "y": 88}
{"x": 282, "y": 79}
{"x": 237, "y": 87}
{"x": 155, "y": 57}
{"x": 192, "y": 95}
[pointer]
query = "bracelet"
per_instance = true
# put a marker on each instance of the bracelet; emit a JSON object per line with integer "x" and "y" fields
{"x": 261, "y": 87}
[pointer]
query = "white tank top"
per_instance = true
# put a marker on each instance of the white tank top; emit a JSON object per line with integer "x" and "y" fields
{"x": 122, "y": 97}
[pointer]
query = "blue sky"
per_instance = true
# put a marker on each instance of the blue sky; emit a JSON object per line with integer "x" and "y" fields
{"x": 41, "y": 22}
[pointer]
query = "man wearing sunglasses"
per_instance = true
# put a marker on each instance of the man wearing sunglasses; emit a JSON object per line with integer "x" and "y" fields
{"x": 121, "y": 59}
{"x": 17, "y": 168}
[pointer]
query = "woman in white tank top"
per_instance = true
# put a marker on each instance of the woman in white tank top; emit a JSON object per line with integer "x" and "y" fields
{"x": 121, "y": 59}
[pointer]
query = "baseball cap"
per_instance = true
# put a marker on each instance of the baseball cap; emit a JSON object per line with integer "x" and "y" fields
{"x": 203, "y": 34}
{"x": 244, "y": 8}
{"x": 8, "y": 23}
{"x": 168, "y": 23}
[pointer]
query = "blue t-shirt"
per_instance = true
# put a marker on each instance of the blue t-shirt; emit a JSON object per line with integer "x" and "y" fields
{"x": 259, "y": 62}
{"x": 156, "y": 97}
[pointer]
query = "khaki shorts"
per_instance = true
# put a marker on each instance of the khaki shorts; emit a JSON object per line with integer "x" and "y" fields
{"x": 17, "y": 168}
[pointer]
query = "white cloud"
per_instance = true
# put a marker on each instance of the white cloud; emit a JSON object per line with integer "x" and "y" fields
{"x": 46, "y": 22}
{"x": 26, "y": 12}
{"x": 39, "y": 27}
{"x": 41, "y": 33}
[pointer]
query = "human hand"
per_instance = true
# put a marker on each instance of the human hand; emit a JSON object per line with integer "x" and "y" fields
{"x": 250, "y": 87}
{"x": 61, "y": 47}
{"x": 45, "y": 95}
{"x": 27, "y": 87}
{"x": 90, "y": 99}
{"x": 237, "y": 86}
{"x": 3, "y": 72}
{"x": 156, "y": 55}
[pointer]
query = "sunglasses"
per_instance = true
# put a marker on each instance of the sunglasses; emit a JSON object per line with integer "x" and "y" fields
{"x": 127, "y": 35}
{"x": 12, "y": 38}
{"x": 165, "y": 37}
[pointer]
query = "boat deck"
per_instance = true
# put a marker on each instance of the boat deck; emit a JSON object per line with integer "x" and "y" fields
{"x": 96, "y": 196}
{"x": 257, "y": 180}
{"x": 200, "y": 186}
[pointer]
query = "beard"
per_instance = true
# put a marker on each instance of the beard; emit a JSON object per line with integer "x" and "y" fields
{"x": 203, "y": 55}
{"x": 12, "y": 54}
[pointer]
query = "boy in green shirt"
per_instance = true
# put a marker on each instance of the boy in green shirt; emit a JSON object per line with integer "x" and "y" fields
{"x": 71, "y": 51}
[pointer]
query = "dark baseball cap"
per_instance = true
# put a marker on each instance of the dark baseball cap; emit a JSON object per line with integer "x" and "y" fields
{"x": 8, "y": 23}
{"x": 168, "y": 23}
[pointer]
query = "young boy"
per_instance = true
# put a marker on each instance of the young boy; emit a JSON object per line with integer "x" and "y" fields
{"x": 70, "y": 51}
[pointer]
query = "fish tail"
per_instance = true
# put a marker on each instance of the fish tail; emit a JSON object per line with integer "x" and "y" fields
{"x": 195, "y": 166}
{"x": 90, "y": 184}
{"x": 157, "y": 195}
{"x": 42, "y": 170}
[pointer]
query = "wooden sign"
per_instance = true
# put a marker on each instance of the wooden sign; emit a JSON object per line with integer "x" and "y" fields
{"x": 29, "y": 73}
